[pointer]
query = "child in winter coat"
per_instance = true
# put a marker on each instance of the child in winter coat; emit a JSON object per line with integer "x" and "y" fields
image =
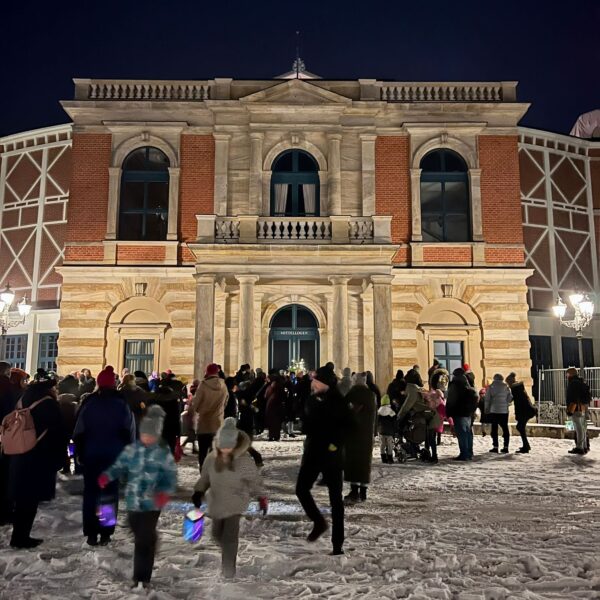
{"x": 386, "y": 421}
{"x": 151, "y": 476}
{"x": 231, "y": 479}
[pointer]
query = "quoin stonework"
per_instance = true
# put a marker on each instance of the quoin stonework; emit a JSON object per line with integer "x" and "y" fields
{"x": 373, "y": 224}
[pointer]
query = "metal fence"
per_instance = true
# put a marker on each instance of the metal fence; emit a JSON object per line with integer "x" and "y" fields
{"x": 552, "y": 394}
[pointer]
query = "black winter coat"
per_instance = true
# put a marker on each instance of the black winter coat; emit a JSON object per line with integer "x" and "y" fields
{"x": 578, "y": 391}
{"x": 523, "y": 407}
{"x": 327, "y": 423}
{"x": 33, "y": 475}
{"x": 359, "y": 445}
{"x": 462, "y": 399}
{"x": 168, "y": 400}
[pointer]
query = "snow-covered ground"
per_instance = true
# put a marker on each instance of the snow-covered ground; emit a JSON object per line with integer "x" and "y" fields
{"x": 500, "y": 528}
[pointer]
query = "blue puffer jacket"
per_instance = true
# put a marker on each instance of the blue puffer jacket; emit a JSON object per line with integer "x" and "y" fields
{"x": 148, "y": 470}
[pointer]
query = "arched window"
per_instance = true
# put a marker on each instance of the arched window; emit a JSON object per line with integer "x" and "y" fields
{"x": 445, "y": 205}
{"x": 144, "y": 199}
{"x": 295, "y": 185}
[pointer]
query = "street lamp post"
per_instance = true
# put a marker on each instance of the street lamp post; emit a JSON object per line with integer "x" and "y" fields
{"x": 584, "y": 312}
{"x": 7, "y": 297}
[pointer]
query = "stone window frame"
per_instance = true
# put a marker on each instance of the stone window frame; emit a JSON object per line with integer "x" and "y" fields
{"x": 323, "y": 172}
{"x": 115, "y": 172}
{"x": 469, "y": 154}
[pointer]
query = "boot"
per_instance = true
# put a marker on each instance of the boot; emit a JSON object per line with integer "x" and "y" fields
{"x": 354, "y": 496}
{"x": 504, "y": 450}
{"x": 390, "y": 459}
{"x": 319, "y": 528}
{"x": 363, "y": 493}
{"x": 384, "y": 459}
{"x": 494, "y": 450}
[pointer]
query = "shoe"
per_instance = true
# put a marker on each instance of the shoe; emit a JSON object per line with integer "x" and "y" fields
{"x": 104, "y": 540}
{"x": 353, "y": 497}
{"x": 494, "y": 450}
{"x": 433, "y": 460}
{"x": 523, "y": 451}
{"x": 336, "y": 552}
{"x": 363, "y": 493}
{"x": 573, "y": 451}
{"x": 319, "y": 528}
{"x": 504, "y": 450}
{"x": 384, "y": 459}
{"x": 92, "y": 540}
{"x": 25, "y": 544}
{"x": 390, "y": 459}
{"x": 578, "y": 451}
{"x": 462, "y": 458}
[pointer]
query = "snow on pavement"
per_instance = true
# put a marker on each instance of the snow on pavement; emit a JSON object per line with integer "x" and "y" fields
{"x": 501, "y": 528}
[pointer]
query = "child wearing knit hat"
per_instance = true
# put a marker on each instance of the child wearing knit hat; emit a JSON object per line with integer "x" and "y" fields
{"x": 151, "y": 475}
{"x": 231, "y": 479}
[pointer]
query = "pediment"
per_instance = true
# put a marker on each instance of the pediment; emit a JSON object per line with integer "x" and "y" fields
{"x": 296, "y": 92}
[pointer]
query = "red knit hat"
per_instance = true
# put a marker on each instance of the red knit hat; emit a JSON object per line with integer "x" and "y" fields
{"x": 212, "y": 369}
{"x": 106, "y": 378}
{"x": 466, "y": 368}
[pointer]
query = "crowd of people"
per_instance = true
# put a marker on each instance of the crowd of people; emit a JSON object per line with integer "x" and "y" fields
{"x": 135, "y": 428}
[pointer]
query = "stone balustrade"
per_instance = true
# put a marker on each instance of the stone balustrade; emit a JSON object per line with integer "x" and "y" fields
{"x": 142, "y": 90}
{"x": 448, "y": 92}
{"x": 252, "y": 229}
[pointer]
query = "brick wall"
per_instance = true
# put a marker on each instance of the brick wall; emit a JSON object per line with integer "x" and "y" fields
{"x": 140, "y": 253}
{"x": 392, "y": 186}
{"x": 447, "y": 254}
{"x": 196, "y": 185}
{"x": 84, "y": 253}
{"x": 504, "y": 255}
{"x": 500, "y": 189}
{"x": 88, "y": 199}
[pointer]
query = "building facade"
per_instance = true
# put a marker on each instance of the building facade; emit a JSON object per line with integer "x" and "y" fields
{"x": 374, "y": 224}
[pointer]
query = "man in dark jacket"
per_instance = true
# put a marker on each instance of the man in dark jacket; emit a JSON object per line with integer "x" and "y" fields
{"x": 168, "y": 399}
{"x": 578, "y": 401}
{"x": 104, "y": 427}
{"x": 397, "y": 390}
{"x": 461, "y": 404}
{"x": 327, "y": 421}
{"x": 523, "y": 409}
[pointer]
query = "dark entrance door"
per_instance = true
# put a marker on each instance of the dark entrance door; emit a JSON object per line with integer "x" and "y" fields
{"x": 294, "y": 336}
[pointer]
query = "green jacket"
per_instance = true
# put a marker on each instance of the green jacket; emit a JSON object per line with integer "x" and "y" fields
{"x": 148, "y": 470}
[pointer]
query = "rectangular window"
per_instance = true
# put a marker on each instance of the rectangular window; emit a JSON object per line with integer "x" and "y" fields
{"x": 570, "y": 352}
{"x": 139, "y": 355}
{"x": 13, "y": 350}
{"x": 449, "y": 354}
{"x": 48, "y": 351}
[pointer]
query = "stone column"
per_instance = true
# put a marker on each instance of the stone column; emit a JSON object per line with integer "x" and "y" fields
{"x": 415, "y": 187}
{"x": 335, "y": 175}
{"x": 339, "y": 321}
{"x": 475, "y": 193}
{"x": 382, "y": 329}
{"x": 367, "y": 144}
{"x": 221, "y": 172}
{"x": 246, "y": 319}
{"x": 205, "y": 322}
{"x": 112, "y": 211}
{"x": 173, "y": 217}
{"x": 255, "y": 180}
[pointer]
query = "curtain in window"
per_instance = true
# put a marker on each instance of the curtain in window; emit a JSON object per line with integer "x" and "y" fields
{"x": 309, "y": 190}
{"x": 281, "y": 194}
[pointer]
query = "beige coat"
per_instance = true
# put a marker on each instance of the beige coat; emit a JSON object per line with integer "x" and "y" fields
{"x": 230, "y": 490}
{"x": 209, "y": 404}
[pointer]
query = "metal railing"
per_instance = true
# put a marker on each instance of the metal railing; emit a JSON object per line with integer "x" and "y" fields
{"x": 552, "y": 393}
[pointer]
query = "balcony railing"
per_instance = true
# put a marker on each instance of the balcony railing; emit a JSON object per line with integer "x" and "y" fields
{"x": 253, "y": 229}
{"x": 141, "y": 90}
{"x": 448, "y": 92}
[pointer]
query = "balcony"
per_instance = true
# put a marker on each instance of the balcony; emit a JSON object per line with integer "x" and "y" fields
{"x": 252, "y": 229}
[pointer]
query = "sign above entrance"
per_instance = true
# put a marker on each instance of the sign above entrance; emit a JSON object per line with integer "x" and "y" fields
{"x": 295, "y": 332}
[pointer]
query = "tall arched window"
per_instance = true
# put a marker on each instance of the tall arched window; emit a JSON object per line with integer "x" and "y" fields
{"x": 445, "y": 205}
{"x": 144, "y": 199}
{"x": 295, "y": 185}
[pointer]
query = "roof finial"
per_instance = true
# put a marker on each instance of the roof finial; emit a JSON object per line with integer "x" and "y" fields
{"x": 298, "y": 65}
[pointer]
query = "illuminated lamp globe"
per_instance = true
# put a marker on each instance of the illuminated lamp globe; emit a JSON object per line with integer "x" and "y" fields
{"x": 24, "y": 308}
{"x": 7, "y": 296}
{"x": 575, "y": 299}
{"x": 586, "y": 307}
{"x": 560, "y": 309}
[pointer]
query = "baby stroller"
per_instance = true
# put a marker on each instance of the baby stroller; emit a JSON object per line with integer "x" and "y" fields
{"x": 413, "y": 429}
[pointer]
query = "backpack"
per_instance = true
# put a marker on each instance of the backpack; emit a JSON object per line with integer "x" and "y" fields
{"x": 18, "y": 430}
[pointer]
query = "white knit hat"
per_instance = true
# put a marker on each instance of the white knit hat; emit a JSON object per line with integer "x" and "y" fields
{"x": 227, "y": 436}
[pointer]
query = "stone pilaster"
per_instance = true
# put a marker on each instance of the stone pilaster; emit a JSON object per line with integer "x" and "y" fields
{"x": 112, "y": 210}
{"x": 205, "y": 318}
{"x": 415, "y": 186}
{"x": 382, "y": 328}
{"x": 335, "y": 175}
{"x": 255, "y": 179}
{"x": 246, "y": 319}
{"x": 339, "y": 320}
{"x": 367, "y": 144}
{"x": 173, "y": 203}
{"x": 476, "y": 212}
{"x": 221, "y": 172}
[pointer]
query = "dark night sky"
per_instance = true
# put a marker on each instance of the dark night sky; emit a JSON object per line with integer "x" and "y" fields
{"x": 550, "y": 47}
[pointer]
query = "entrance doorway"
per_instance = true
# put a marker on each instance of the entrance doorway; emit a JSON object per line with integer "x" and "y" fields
{"x": 294, "y": 336}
